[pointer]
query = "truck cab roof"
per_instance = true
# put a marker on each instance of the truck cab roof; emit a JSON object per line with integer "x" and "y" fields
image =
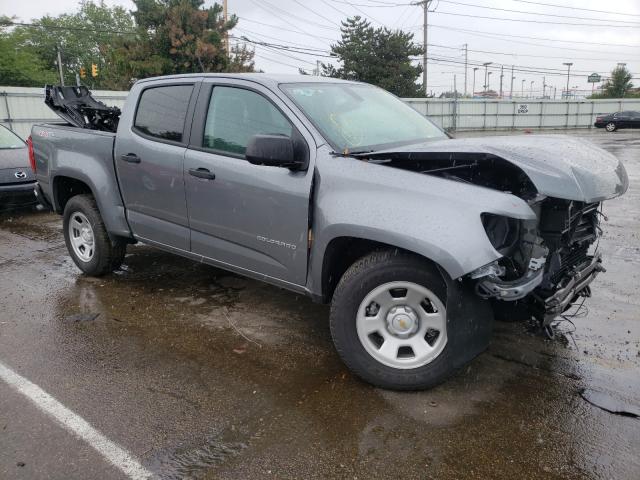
{"x": 268, "y": 80}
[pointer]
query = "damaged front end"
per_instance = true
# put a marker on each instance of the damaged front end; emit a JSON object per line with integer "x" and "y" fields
{"x": 549, "y": 263}
{"x": 546, "y": 263}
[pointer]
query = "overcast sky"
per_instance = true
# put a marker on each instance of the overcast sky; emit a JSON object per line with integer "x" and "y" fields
{"x": 315, "y": 25}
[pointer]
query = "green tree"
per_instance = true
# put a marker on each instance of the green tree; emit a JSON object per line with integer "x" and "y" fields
{"x": 84, "y": 38}
{"x": 182, "y": 36}
{"x": 378, "y": 56}
{"x": 618, "y": 85}
{"x": 20, "y": 67}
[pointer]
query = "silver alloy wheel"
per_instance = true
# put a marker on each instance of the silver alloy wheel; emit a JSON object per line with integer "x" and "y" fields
{"x": 402, "y": 325}
{"x": 610, "y": 127}
{"x": 81, "y": 236}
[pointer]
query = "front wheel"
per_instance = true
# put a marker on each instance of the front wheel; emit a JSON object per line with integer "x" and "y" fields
{"x": 611, "y": 127}
{"x": 87, "y": 240}
{"x": 390, "y": 325}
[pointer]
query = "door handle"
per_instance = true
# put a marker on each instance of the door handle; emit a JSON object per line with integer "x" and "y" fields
{"x": 202, "y": 173}
{"x": 130, "y": 157}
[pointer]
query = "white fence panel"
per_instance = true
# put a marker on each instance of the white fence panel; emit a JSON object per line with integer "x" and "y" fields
{"x": 20, "y": 108}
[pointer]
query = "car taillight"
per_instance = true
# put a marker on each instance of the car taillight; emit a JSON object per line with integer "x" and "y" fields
{"x": 32, "y": 156}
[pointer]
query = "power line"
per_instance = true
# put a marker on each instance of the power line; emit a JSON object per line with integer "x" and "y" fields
{"x": 316, "y": 13}
{"x": 484, "y": 33}
{"x": 513, "y": 54}
{"x": 484, "y": 17}
{"x": 57, "y": 27}
{"x": 287, "y": 29}
{"x": 533, "y": 13}
{"x": 577, "y": 8}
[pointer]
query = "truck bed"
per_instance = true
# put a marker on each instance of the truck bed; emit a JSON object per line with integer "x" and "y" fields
{"x": 66, "y": 152}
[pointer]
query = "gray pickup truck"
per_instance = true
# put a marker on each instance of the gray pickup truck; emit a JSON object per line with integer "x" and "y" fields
{"x": 340, "y": 191}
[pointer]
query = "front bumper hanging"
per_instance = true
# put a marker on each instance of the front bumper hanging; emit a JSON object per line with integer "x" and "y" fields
{"x": 558, "y": 302}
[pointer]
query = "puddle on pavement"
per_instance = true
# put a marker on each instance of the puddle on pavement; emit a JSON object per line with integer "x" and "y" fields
{"x": 184, "y": 349}
{"x": 193, "y": 463}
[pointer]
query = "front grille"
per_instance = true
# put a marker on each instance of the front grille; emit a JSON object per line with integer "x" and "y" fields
{"x": 574, "y": 259}
{"x": 584, "y": 224}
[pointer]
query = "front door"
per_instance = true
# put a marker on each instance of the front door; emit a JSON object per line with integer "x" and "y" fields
{"x": 254, "y": 218}
{"x": 149, "y": 160}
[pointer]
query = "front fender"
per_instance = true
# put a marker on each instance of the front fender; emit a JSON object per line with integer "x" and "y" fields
{"x": 430, "y": 216}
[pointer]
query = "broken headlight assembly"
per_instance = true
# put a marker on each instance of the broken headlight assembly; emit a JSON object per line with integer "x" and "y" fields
{"x": 521, "y": 268}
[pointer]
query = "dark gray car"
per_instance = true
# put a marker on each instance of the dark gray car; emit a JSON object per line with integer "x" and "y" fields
{"x": 17, "y": 179}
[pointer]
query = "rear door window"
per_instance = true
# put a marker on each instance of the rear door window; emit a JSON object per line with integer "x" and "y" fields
{"x": 235, "y": 115}
{"x": 162, "y": 111}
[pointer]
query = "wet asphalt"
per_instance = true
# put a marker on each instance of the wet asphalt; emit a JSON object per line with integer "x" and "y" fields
{"x": 203, "y": 374}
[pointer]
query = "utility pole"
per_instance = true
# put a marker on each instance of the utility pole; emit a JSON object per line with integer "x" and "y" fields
{"x": 531, "y": 89}
{"x": 465, "y": 69}
{"x": 455, "y": 103}
{"x": 226, "y": 33}
{"x": 473, "y": 87}
{"x": 317, "y": 68}
{"x": 485, "y": 65}
{"x": 501, "y": 75}
{"x": 522, "y": 92}
{"x": 554, "y": 93}
{"x": 60, "y": 67}
{"x": 544, "y": 87}
{"x": 425, "y": 5}
{"x": 512, "y": 79}
{"x": 488, "y": 81}
{"x": 568, "y": 64}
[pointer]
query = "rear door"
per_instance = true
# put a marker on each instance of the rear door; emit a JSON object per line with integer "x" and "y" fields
{"x": 149, "y": 156}
{"x": 635, "y": 119}
{"x": 255, "y": 218}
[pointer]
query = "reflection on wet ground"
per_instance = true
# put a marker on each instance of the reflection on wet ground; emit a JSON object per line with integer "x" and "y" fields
{"x": 204, "y": 374}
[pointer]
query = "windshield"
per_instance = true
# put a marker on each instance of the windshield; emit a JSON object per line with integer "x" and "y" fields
{"x": 8, "y": 139}
{"x": 360, "y": 117}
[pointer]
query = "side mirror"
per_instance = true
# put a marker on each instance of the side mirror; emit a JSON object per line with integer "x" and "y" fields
{"x": 272, "y": 151}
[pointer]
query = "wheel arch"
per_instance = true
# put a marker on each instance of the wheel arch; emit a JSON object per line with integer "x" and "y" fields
{"x": 342, "y": 251}
{"x": 66, "y": 185}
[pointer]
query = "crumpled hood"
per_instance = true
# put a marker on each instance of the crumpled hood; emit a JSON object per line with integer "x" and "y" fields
{"x": 558, "y": 165}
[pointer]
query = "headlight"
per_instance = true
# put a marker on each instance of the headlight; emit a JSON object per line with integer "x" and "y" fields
{"x": 503, "y": 232}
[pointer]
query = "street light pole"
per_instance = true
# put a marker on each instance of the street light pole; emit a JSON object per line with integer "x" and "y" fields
{"x": 568, "y": 64}
{"x": 60, "y": 67}
{"x": 512, "y": 79}
{"x": 522, "y": 92}
{"x": 485, "y": 65}
{"x": 473, "y": 88}
{"x": 531, "y": 89}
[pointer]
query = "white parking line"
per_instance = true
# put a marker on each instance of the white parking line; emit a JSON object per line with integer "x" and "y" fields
{"x": 73, "y": 422}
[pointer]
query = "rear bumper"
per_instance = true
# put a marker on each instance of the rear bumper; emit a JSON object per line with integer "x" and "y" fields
{"x": 558, "y": 302}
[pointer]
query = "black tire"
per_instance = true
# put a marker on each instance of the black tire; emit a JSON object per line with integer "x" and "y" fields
{"x": 108, "y": 255}
{"x": 610, "y": 127}
{"x": 361, "y": 278}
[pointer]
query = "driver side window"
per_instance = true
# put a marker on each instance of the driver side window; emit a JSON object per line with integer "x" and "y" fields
{"x": 235, "y": 115}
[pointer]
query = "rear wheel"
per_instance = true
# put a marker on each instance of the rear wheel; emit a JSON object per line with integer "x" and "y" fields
{"x": 611, "y": 127}
{"x": 389, "y": 322}
{"x": 87, "y": 240}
